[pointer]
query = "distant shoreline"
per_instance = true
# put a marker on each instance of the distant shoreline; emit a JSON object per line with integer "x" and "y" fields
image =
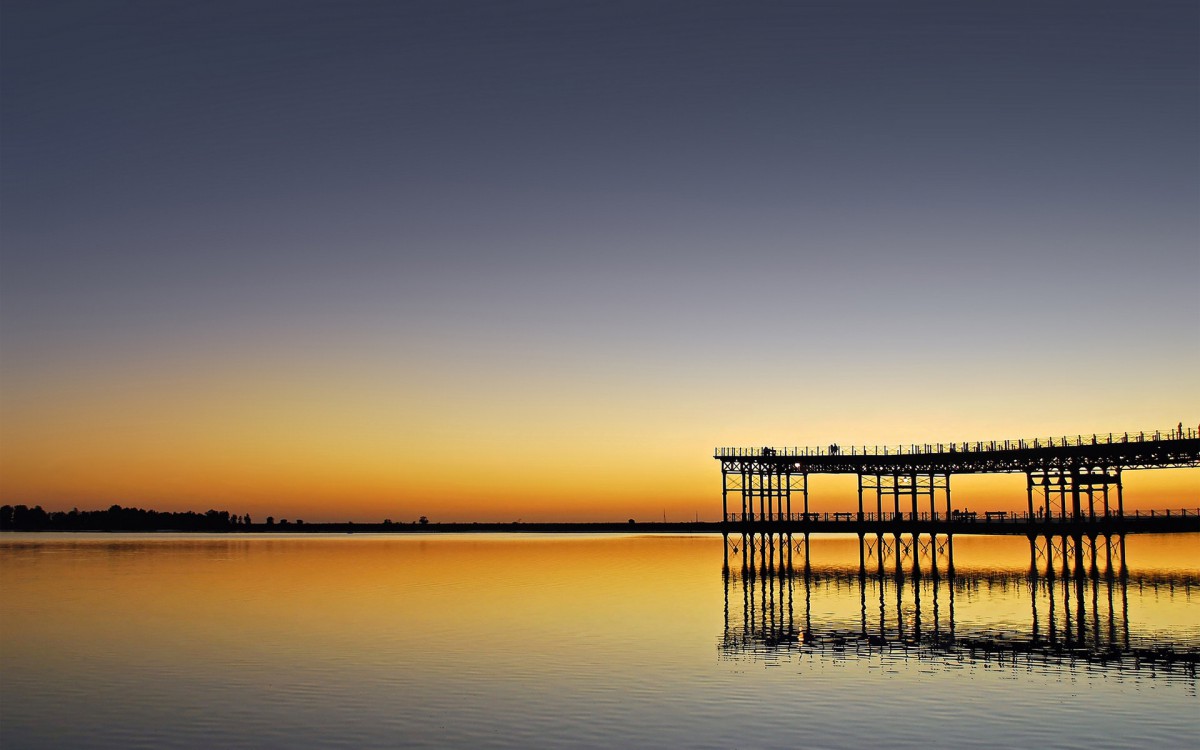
{"x": 704, "y": 527}
{"x": 1145, "y": 524}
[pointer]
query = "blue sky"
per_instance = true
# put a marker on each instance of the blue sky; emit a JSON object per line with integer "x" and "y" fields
{"x": 743, "y": 222}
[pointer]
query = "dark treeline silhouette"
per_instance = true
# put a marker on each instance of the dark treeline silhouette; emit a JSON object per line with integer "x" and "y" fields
{"x": 116, "y": 518}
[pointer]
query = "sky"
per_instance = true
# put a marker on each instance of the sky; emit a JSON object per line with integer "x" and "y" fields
{"x": 534, "y": 260}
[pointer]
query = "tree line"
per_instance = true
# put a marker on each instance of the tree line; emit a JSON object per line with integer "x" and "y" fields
{"x": 116, "y": 518}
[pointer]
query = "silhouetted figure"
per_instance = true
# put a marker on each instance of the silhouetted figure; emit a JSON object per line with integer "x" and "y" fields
{"x": 833, "y": 449}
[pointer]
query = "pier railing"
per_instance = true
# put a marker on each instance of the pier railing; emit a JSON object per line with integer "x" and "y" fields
{"x": 978, "y": 446}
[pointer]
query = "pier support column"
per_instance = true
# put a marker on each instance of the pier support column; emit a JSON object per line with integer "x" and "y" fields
{"x": 762, "y": 499}
{"x": 1029, "y": 491}
{"x": 747, "y": 501}
{"x": 1076, "y": 500}
{"x": 806, "y": 496}
{"x": 913, "y": 488}
{"x": 1120, "y": 500}
{"x": 724, "y": 494}
{"x": 787, "y": 492}
{"x": 860, "y": 504}
{"x": 1062, "y": 497}
{"x": 933, "y": 496}
{"x": 878, "y": 499}
{"x": 772, "y": 495}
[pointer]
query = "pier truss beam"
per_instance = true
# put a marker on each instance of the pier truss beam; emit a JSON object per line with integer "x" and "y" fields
{"x": 765, "y": 491}
{"x": 1076, "y": 492}
{"x": 908, "y": 493}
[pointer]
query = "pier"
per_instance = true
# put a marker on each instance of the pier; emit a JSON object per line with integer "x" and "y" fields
{"x": 1074, "y": 485}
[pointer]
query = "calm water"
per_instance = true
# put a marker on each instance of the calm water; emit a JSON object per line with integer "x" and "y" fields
{"x": 522, "y": 641}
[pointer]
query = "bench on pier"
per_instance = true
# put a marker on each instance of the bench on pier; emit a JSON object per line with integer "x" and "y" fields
{"x": 995, "y": 515}
{"x": 844, "y": 516}
{"x": 963, "y": 515}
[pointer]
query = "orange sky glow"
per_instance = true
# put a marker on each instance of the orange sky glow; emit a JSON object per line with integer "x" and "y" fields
{"x": 329, "y": 447}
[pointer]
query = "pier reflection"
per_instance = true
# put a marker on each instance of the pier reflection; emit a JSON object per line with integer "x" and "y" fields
{"x": 1070, "y": 608}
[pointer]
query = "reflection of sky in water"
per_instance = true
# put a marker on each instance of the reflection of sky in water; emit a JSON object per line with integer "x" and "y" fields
{"x": 507, "y": 641}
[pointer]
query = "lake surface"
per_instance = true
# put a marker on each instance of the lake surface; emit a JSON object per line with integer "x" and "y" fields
{"x": 515, "y": 641}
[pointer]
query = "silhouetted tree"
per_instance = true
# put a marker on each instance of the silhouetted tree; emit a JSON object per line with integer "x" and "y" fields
{"x": 114, "y": 518}
{"x": 29, "y": 519}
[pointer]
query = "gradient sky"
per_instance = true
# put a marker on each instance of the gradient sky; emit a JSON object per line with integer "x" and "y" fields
{"x": 500, "y": 260}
